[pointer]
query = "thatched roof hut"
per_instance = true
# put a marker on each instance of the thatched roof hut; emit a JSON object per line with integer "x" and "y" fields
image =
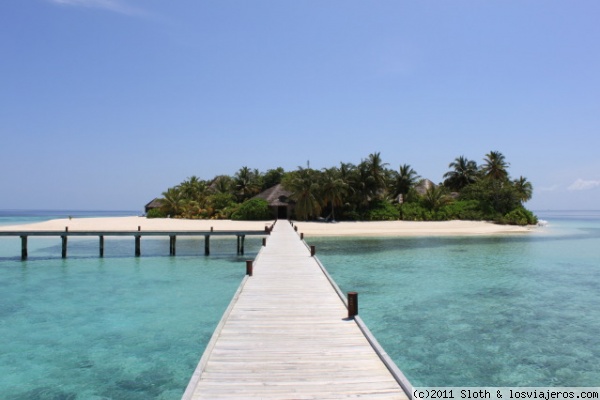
{"x": 155, "y": 203}
{"x": 279, "y": 201}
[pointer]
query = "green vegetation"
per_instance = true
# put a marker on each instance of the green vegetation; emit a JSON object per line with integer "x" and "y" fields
{"x": 368, "y": 191}
{"x": 252, "y": 210}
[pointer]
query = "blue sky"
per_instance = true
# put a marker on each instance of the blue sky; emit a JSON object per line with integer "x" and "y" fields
{"x": 104, "y": 104}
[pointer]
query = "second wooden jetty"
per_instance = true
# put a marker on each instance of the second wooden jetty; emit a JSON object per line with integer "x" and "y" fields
{"x": 64, "y": 235}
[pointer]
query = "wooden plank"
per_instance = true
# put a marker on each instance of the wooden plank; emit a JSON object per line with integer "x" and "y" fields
{"x": 286, "y": 335}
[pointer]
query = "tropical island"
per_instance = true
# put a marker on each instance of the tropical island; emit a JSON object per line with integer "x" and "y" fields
{"x": 369, "y": 191}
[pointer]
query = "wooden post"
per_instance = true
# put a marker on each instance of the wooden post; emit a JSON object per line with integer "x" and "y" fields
{"x": 295, "y": 229}
{"x": 212, "y": 229}
{"x": 238, "y": 244}
{"x": 264, "y": 242}
{"x": 352, "y": 304}
{"x": 138, "y": 247}
{"x": 249, "y": 267}
{"x": 313, "y": 251}
{"x": 64, "y": 246}
{"x": 23, "y": 247}
{"x": 301, "y": 235}
{"x": 206, "y": 245}
{"x": 101, "y": 246}
{"x": 172, "y": 244}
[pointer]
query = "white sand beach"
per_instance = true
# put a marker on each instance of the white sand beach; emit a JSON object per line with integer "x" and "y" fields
{"x": 379, "y": 228}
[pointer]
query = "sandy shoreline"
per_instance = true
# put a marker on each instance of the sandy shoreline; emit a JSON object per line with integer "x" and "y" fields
{"x": 378, "y": 228}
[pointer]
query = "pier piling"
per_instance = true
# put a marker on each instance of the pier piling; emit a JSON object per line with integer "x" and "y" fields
{"x": 172, "y": 244}
{"x": 64, "y": 246}
{"x": 138, "y": 246}
{"x": 101, "y": 238}
{"x": 23, "y": 247}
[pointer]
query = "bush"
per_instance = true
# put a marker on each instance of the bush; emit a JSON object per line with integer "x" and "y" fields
{"x": 519, "y": 216}
{"x": 469, "y": 210}
{"x": 382, "y": 211}
{"x": 155, "y": 213}
{"x": 413, "y": 212}
{"x": 253, "y": 210}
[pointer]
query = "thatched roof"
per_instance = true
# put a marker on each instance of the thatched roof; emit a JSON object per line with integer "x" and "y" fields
{"x": 275, "y": 196}
{"x": 423, "y": 186}
{"x": 155, "y": 203}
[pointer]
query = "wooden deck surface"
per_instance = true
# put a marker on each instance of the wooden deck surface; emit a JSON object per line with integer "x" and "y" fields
{"x": 286, "y": 336}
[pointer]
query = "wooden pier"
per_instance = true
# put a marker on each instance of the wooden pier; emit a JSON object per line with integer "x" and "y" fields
{"x": 287, "y": 334}
{"x": 137, "y": 235}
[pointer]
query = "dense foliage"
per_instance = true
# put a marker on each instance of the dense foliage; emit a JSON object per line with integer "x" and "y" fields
{"x": 252, "y": 210}
{"x": 367, "y": 191}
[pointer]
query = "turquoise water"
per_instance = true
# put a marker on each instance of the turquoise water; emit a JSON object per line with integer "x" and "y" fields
{"x": 518, "y": 310}
{"x": 464, "y": 311}
{"x": 114, "y": 328}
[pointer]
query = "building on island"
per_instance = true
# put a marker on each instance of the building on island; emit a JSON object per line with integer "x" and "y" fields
{"x": 155, "y": 203}
{"x": 279, "y": 201}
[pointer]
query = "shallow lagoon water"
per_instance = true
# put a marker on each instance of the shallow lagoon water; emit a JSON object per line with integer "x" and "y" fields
{"x": 451, "y": 311}
{"x": 114, "y": 328}
{"x": 481, "y": 311}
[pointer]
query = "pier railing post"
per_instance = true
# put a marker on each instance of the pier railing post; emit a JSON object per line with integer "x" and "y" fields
{"x": 101, "y": 246}
{"x": 23, "y": 247}
{"x": 64, "y": 246}
{"x": 249, "y": 267}
{"x": 172, "y": 245}
{"x": 313, "y": 250}
{"x": 264, "y": 242}
{"x": 352, "y": 304}
{"x": 138, "y": 245}
{"x": 64, "y": 243}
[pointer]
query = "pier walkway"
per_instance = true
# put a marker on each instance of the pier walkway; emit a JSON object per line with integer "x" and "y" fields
{"x": 286, "y": 335}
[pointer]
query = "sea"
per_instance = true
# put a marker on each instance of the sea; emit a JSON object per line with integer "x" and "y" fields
{"x": 504, "y": 310}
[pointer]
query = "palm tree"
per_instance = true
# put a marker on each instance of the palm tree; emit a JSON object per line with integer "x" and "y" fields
{"x": 435, "y": 197}
{"x": 172, "y": 201}
{"x": 463, "y": 174}
{"x": 272, "y": 177}
{"x": 495, "y": 166}
{"x": 333, "y": 188}
{"x": 346, "y": 170}
{"x": 362, "y": 185}
{"x": 246, "y": 183}
{"x": 222, "y": 184}
{"x": 406, "y": 178}
{"x": 524, "y": 189}
{"x": 377, "y": 173}
{"x": 305, "y": 192}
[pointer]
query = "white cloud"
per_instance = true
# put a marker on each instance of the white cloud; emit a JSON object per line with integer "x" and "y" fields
{"x": 110, "y": 5}
{"x": 581, "y": 184}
